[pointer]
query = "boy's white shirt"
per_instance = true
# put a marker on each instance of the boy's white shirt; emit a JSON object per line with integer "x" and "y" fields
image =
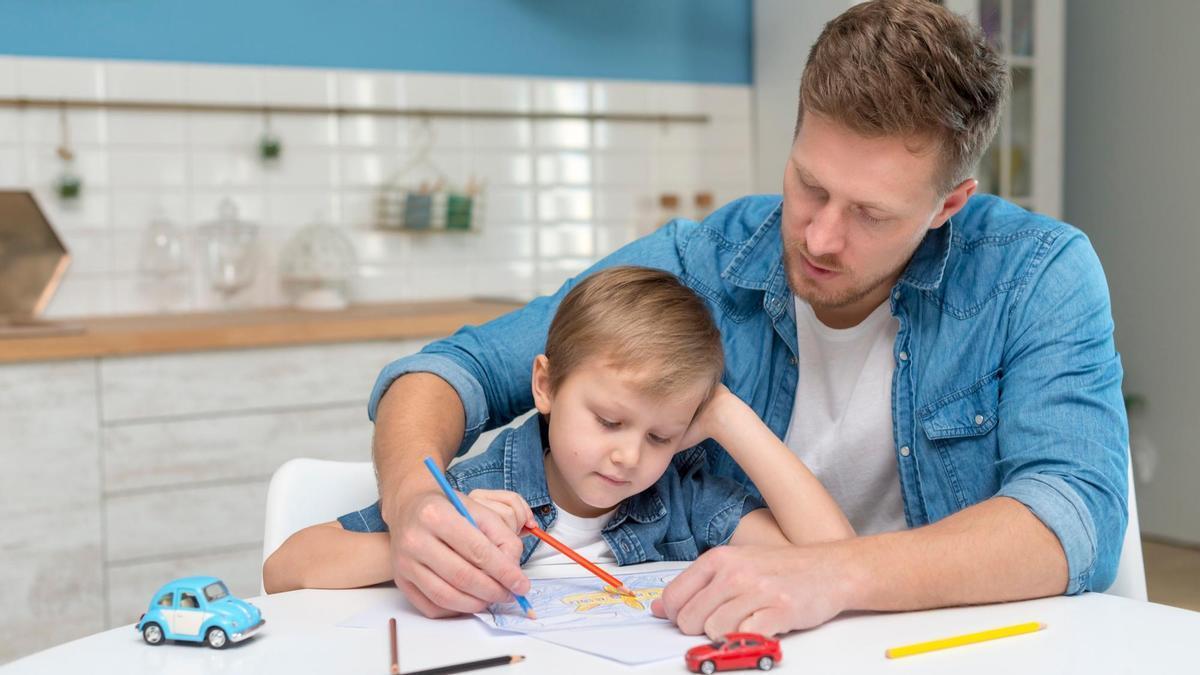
{"x": 841, "y": 423}
{"x": 581, "y": 534}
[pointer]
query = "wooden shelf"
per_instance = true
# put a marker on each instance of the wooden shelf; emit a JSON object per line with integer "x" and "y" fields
{"x": 158, "y": 334}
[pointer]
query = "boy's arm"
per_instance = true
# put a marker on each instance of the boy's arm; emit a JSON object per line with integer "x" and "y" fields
{"x": 803, "y": 510}
{"x": 328, "y": 556}
{"x": 758, "y": 528}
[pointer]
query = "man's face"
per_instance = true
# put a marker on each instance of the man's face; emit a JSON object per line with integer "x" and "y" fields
{"x": 854, "y": 211}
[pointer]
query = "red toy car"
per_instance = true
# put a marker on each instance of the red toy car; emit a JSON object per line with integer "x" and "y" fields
{"x": 738, "y": 650}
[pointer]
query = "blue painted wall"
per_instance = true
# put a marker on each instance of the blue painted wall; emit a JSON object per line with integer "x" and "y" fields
{"x": 681, "y": 40}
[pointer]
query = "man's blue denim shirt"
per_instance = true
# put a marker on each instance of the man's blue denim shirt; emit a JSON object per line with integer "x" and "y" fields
{"x": 686, "y": 512}
{"x": 1007, "y": 380}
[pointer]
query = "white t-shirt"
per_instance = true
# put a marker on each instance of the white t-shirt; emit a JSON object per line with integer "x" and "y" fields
{"x": 842, "y": 418}
{"x": 581, "y": 534}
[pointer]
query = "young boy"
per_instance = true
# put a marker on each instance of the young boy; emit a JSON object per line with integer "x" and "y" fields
{"x": 628, "y": 386}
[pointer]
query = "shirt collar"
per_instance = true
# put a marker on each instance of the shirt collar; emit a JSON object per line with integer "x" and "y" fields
{"x": 760, "y": 259}
{"x": 928, "y": 265}
{"x": 645, "y": 507}
{"x": 524, "y": 464}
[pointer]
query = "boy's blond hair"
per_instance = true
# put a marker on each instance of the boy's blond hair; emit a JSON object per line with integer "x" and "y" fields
{"x": 637, "y": 318}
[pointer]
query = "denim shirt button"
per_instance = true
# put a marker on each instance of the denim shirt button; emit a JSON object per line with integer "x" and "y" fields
{"x": 903, "y": 356}
{"x": 896, "y": 295}
{"x": 904, "y": 451}
{"x": 544, "y": 510}
{"x": 792, "y": 360}
{"x": 979, "y": 419}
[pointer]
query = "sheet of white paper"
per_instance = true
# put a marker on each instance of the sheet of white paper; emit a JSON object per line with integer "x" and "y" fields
{"x": 581, "y": 602}
{"x": 410, "y": 622}
{"x": 633, "y": 645}
{"x": 648, "y": 639}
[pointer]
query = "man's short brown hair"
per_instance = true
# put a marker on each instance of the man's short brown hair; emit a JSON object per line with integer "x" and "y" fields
{"x": 911, "y": 68}
{"x": 637, "y": 318}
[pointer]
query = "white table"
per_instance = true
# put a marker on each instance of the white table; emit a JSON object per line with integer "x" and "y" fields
{"x": 1092, "y": 633}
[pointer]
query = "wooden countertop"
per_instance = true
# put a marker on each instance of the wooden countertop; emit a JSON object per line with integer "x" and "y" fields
{"x": 157, "y": 334}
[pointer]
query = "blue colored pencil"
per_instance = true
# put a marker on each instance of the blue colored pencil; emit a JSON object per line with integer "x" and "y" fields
{"x": 458, "y": 505}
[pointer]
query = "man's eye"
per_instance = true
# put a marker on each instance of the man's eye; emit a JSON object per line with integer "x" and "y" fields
{"x": 606, "y": 423}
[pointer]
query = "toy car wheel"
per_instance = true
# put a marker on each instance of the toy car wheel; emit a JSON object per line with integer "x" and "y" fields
{"x": 216, "y": 638}
{"x": 152, "y": 634}
{"x": 708, "y": 668}
{"x": 766, "y": 663}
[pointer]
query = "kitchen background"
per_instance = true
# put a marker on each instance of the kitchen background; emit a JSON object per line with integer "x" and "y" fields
{"x": 124, "y": 470}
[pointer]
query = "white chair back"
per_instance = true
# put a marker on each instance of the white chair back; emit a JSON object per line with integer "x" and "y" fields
{"x": 1131, "y": 570}
{"x": 305, "y": 492}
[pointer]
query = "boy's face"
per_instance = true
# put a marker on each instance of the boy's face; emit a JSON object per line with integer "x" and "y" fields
{"x": 608, "y": 439}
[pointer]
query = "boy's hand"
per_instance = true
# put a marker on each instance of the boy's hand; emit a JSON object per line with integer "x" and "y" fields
{"x": 510, "y": 506}
{"x": 709, "y": 419}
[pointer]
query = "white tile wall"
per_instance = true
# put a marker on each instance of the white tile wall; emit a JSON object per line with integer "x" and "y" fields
{"x": 559, "y": 194}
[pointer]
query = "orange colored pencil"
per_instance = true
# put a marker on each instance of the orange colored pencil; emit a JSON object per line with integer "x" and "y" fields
{"x": 587, "y": 564}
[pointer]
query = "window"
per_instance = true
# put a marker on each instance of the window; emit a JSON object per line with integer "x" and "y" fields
{"x": 166, "y": 600}
{"x": 188, "y": 601}
{"x": 215, "y": 591}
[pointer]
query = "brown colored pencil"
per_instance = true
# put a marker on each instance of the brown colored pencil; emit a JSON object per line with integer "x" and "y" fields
{"x": 395, "y": 655}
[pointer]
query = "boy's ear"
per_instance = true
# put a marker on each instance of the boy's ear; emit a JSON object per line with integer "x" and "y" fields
{"x": 542, "y": 396}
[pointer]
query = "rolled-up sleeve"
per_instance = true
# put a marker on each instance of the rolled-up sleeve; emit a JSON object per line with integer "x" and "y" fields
{"x": 1061, "y": 509}
{"x": 1064, "y": 434}
{"x": 464, "y": 383}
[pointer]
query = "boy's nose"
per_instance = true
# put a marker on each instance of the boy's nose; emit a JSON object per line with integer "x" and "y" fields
{"x": 626, "y": 453}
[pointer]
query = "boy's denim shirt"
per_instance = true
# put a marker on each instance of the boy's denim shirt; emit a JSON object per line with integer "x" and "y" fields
{"x": 688, "y": 511}
{"x": 1007, "y": 380}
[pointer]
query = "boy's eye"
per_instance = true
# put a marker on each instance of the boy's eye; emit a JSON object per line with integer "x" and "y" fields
{"x": 606, "y": 423}
{"x": 868, "y": 218}
{"x": 659, "y": 440}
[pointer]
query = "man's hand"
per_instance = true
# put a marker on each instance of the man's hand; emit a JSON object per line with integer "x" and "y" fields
{"x": 767, "y": 590}
{"x": 443, "y": 565}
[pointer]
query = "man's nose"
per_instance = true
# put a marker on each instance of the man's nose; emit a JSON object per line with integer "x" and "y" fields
{"x": 826, "y": 233}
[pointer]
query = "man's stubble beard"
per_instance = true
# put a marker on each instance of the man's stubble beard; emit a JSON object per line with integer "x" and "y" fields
{"x": 805, "y": 289}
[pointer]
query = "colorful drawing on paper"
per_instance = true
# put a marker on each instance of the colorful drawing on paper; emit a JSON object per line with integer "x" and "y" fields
{"x": 581, "y": 602}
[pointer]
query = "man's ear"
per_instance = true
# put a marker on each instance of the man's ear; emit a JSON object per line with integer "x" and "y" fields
{"x": 954, "y": 202}
{"x": 542, "y": 395}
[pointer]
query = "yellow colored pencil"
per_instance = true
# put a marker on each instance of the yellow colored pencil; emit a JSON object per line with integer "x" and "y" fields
{"x": 960, "y": 640}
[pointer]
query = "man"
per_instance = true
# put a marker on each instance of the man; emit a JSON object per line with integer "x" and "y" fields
{"x": 943, "y": 362}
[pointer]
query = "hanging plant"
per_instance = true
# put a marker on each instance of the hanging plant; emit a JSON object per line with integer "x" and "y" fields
{"x": 270, "y": 146}
{"x": 69, "y": 184}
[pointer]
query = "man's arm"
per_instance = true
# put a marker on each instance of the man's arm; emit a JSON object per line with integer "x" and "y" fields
{"x": 442, "y": 564}
{"x": 993, "y": 551}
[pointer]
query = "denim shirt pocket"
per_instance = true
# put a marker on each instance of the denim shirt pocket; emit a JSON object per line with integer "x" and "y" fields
{"x": 968, "y": 412}
{"x": 958, "y": 470}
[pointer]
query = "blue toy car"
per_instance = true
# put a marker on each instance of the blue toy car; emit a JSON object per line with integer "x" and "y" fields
{"x": 198, "y": 609}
